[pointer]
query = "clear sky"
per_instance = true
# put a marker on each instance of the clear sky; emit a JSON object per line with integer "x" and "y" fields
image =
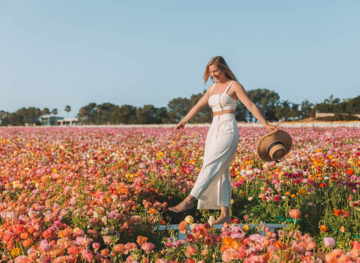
{"x": 54, "y": 53}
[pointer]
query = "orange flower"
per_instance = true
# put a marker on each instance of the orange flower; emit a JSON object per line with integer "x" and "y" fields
{"x": 295, "y": 213}
{"x": 337, "y": 212}
{"x": 118, "y": 248}
{"x": 182, "y": 227}
{"x": 153, "y": 211}
{"x": 163, "y": 222}
{"x": 28, "y": 242}
{"x": 141, "y": 240}
{"x": 227, "y": 241}
{"x": 323, "y": 228}
{"x": 342, "y": 229}
{"x": 24, "y": 235}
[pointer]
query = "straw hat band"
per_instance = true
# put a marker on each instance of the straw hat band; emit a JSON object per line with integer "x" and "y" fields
{"x": 273, "y": 144}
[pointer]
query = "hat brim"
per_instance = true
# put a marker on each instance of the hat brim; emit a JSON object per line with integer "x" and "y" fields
{"x": 265, "y": 141}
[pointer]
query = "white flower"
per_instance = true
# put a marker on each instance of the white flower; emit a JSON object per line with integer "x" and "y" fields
{"x": 250, "y": 198}
{"x": 104, "y": 219}
{"x": 211, "y": 220}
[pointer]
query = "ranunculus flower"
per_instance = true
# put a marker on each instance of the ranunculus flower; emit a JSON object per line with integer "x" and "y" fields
{"x": 211, "y": 220}
{"x": 147, "y": 247}
{"x": 295, "y": 213}
{"x": 182, "y": 227}
{"x": 189, "y": 220}
{"x": 329, "y": 241}
{"x": 229, "y": 255}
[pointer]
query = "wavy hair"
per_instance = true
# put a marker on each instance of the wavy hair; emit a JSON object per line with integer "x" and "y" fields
{"x": 220, "y": 62}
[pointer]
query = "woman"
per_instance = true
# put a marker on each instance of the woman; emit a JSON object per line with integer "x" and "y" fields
{"x": 212, "y": 188}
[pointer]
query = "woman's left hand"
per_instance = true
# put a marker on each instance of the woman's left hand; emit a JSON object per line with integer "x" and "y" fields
{"x": 271, "y": 128}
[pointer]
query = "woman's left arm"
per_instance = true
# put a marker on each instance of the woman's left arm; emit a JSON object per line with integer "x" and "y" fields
{"x": 243, "y": 97}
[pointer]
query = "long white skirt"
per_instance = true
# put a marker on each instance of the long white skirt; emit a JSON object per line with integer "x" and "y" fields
{"x": 213, "y": 185}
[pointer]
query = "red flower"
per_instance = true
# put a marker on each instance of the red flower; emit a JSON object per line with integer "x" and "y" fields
{"x": 350, "y": 171}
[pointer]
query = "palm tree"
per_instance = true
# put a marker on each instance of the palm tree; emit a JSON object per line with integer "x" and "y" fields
{"x": 54, "y": 111}
{"x": 67, "y": 109}
{"x": 98, "y": 109}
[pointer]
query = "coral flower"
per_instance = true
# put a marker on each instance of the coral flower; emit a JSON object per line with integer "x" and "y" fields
{"x": 141, "y": 240}
{"x": 27, "y": 242}
{"x": 74, "y": 250}
{"x": 229, "y": 255}
{"x": 148, "y": 247}
{"x": 118, "y": 248}
{"x": 183, "y": 227}
{"x": 295, "y": 213}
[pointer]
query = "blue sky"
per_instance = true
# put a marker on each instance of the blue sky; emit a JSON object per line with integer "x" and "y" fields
{"x": 54, "y": 53}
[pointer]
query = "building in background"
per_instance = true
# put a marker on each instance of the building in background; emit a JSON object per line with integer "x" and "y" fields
{"x": 50, "y": 120}
{"x": 68, "y": 122}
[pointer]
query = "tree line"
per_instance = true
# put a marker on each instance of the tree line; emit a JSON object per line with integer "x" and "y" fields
{"x": 268, "y": 102}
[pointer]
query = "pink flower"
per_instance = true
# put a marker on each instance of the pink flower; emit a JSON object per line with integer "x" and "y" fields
{"x": 96, "y": 246}
{"x": 45, "y": 246}
{"x": 107, "y": 239}
{"x": 191, "y": 250}
{"x": 87, "y": 255}
{"x": 229, "y": 255}
{"x": 256, "y": 237}
{"x": 329, "y": 241}
{"x": 147, "y": 247}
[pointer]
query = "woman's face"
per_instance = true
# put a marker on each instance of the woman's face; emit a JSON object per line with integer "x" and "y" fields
{"x": 217, "y": 74}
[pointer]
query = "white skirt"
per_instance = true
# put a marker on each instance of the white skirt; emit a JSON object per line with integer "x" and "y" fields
{"x": 213, "y": 185}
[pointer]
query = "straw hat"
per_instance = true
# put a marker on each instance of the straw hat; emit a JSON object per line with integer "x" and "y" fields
{"x": 273, "y": 146}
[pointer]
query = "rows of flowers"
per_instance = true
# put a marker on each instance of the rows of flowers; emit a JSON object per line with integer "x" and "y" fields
{"x": 95, "y": 195}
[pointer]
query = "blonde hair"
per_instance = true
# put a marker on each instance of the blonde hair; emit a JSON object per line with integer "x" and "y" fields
{"x": 219, "y": 61}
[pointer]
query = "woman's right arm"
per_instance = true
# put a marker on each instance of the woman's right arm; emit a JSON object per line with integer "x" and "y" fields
{"x": 203, "y": 101}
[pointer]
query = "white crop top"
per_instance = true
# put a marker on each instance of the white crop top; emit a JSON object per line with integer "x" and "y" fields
{"x": 222, "y": 101}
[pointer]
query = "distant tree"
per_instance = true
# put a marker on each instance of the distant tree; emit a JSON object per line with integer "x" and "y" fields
{"x": 177, "y": 109}
{"x": 306, "y": 109}
{"x": 205, "y": 114}
{"x": 46, "y": 111}
{"x": 3, "y": 115}
{"x": 87, "y": 114}
{"x": 22, "y": 116}
{"x": 126, "y": 114}
{"x": 161, "y": 115}
{"x": 108, "y": 113}
{"x": 54, "y": 111}
{"x": 98, "y": 110}
{"x": 353, "y": 105}
{"x": 67, "y": 109}
{"x": 266, "y": 100}
{"x": 146, "y": 114}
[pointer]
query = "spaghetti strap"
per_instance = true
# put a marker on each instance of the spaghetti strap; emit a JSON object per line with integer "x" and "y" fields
{"x": 212, "y": 88}
{"x": 228, "y": 87}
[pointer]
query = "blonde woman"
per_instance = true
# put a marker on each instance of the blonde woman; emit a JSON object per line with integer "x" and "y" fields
{"x": 212, "y": 188}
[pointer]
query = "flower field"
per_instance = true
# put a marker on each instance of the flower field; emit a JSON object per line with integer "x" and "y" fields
{"x": 93, "y": 194}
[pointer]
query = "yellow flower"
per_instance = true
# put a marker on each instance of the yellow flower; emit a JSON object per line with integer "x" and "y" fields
{"x": 232, "y": 201}
{"x": 160, "y": 154}
{"x": 15, "y": 252}
{"x": 246, "y": 228}
{"x": 189, "y": 220}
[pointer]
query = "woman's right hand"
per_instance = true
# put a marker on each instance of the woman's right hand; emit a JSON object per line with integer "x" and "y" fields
{"x": 180, "y": 126}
